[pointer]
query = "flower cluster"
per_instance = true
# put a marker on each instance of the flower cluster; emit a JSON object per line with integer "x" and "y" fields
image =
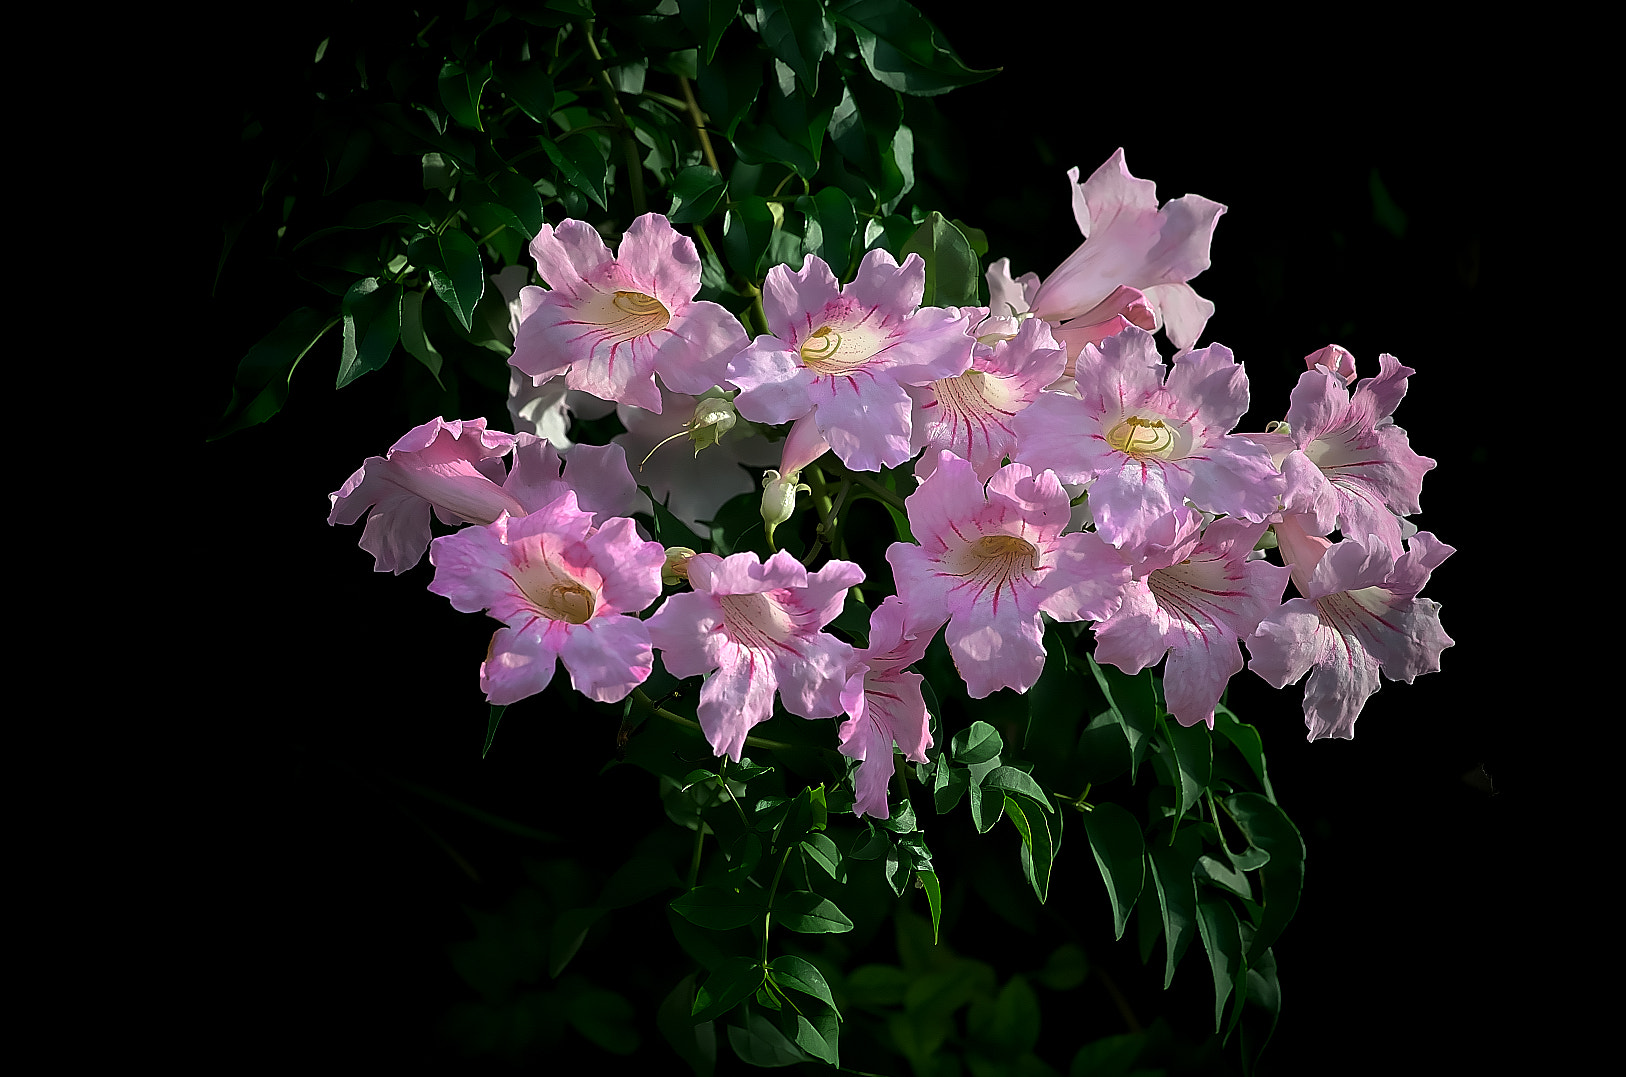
{"x": 1007, "y": 413}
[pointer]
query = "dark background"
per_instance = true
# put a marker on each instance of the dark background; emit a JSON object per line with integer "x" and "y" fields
{"x": 327, "y": 891}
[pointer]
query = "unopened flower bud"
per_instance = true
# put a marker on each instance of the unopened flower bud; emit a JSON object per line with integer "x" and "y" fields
{"x": 713, "y": 417}
{"x": 676, "y": 569}
{"x": 779, "y": 499}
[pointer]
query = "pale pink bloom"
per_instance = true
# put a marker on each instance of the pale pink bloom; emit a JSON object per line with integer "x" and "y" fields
{"x": 754, "y": 628}
{"x": 692, "y": 485}
{"x": 1130, "y": 241}
{"x": 1344, "y": 460}
{"x": 1332, "y": 358}
{"x": 885, "y": 703}
{"x": 614, "y": 322}
{"x": 844, "y": 354}
{"x": 989, "y": 561}
{"x": 455, "y": 468}
{"x": 566, "y": 590}
{"x": 1009, "y": 300}
{"x": 970, "y": 414}
{"x": 1151, "y": 437}
{"x": 1193, "y": 598}
{"x": 1360, "y": 615}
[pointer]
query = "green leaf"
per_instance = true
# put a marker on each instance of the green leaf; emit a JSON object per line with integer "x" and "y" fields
{"x": 1224, "y": 876}
{"x": 718, "y": 908}
{"x": 759, "y": 1043}
{"x": 416, "y": 342}
{"x": 372, "y": 215}
{"x": 460, "y": 90}
{"x": 567, "y": 935}
{"x": 581, "y": 161}
{"x": 807, "y": 912}
{"x": 603, "y": 1017}
{"x": 520, "y": 200}
{"x": 695, "y": 193}
{"x": 707, "y": 19}
{"x": 453, "y": 264}
{"x": 949, "y": 784}
{"x": 1265, "y": 992}
{"x": 818, "y": 1032}
{"x": 1247, "y": 741}
{"x": 729, "y": 89}
{"x": 798, "y": 33}
{"x": 977, "y": 744}
{"x": 930, "y": 883}
{"x": 695, "y": 1043}
{"x": 1015, "y": 781}
{"x": 903, "y": 50}
{"x": 1110, "y": 1056}
{"x": 1133, "y": 704}
{"x": 986, "y": 807}
{"x": 1193, "y": 754}
{"x": 787, "y": 970}
{"x": 823, "y": 852}
{"x": 1172, "y": 867}
{"x": 1010, "y": 1027}
{"x": 951, "y": 266}
{"x": 1039, "y": 844}
{"x": 1120, "y": 853}
{"x": 1222, "y": 938}
{"x": 372, "y": 326}
{"x": 832, "y": 225}
{"x": 491, "y": 728}
{"x": 530, "y": 87}
{"x": 1268, "y": 828}
{"x": 260, "y": 387}
{"x": 730, "y": 983}
{"x": 747, "y": 229}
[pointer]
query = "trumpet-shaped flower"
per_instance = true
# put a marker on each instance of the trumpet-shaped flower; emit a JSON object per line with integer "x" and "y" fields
{"x": 970, "y": 414}
{"x": 885, "y": 704}
{"x": 565, "y": 590}
{"x": 1151, "y": 437}
{"x": 1360, "y": 614}
{"x": 455, "y": 469}
{"x": 990, "y": 561}
{"x": 755, "y": 628}
{"x": 1193, "y": 598}
{"x": 1344, "y": 460}
{"x": 1130, "y": 241}
{"x": 614, "y": 322}
{"x": 844, "y": 355}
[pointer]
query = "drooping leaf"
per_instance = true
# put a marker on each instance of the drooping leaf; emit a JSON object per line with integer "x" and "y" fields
{"x": 417, "y": 344}
{"x": 260, "y": 387}
{"x": 952, "y": 272}
{"x": 934, "y": 897}
{"x": 1192, "y": 751}
{"x": 1015, "y": 781}
{"x": 799, "y": 34}
{"x": 491, "y": 728}
{"x": 730, "y": 983}
{"x": 807, "y": 912}
{"x": 1222, "y": 938}
{"x": 581, "y": 162}
{"x": 832, "y": 225}
{"x": 695, "y": 1043}
{"x": 823, "y": 852}
{"x": 1248, "y": 742}
{"x": 787, "y": 970}
{"x": 372, "y": 326}
{"x": 1133, "y": 705}
{"x": 1172, "y": 867}
{"x": 696, "y": 191}
{"x": 719, "y": 908}
{"x": 460, "y": 90}
{"x": 531, "y": 88}
{"x": 759, "y": 1043}
{"x": 903, "y": 50}
{"x": 1039, "y": 842}
{"x": 747, "y": 229}
{"x": 979, "y": 743}
{"x": 1120, "y": 853}
{"x": 1267, "y": 827}
{"x": 455, "y": 271}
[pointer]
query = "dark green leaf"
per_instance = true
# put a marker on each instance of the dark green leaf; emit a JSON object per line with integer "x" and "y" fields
{"x": 1110, "y": 1056}
{"x": 581, "y": 161}
{"x": 818, "y": 1032}
{"x": 1222, "y": 938}
{"x": 799, "y": 34}
{"x": 1120, "y": 853}
{"x": 1010, "y": 1028}
{"x": 1265, "y": 992}
{"x": 986, "y": 807}
{"x": 566, "y": 937}
{"x": 1193, "y": 755}
{"x": 261, "y": 385}
{"x": 807, "y": 912}
{"x": 759, "y": 1043}
{"x": 832, "y": 225}
{"x": 1247, "y": 741}
{"x": 747, "y": 229}
{"x": 1015, "y": 781}
{"x": 1172, "y": 867}
{"x": 729, "y": 984}
{"x": 902, "y": 49}
{"x": 416, "y": 342}
{"x": 455, "y": 271}
{"x": 707, "y": 19}
{"x": 520, "y": 200}
{"x": 1268, "y": 828}
{"x": 695, "y": 1043}
{"x": 695, "y": 193}
{"x": 1038, "y": 842}
{"x": 823, "y": 852}
{"x": 491, "y": 728}
{"x": 372, "y": 326}
{"x": 872, "y": 846}
{"x": 934, "y": 897}
{"x": 604, "y": 1017}
{"x": 788, "y": 970}
{"x": 729, "y": 89}
{"x": 719, "y": 908}
{"x": 978, "y": 744}
{"x": 1224, "y": 876}
{"x": 1133, "y": 704}
{"x": 948, "y": 786}
{"x": 951, "y": 267}
{"x": 530, "y": 87}
{"x": 460, "y": 90}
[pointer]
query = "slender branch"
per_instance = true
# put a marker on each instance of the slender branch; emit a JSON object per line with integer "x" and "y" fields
{"x": 629, "y": 148}
{"x": 699, "y": 119}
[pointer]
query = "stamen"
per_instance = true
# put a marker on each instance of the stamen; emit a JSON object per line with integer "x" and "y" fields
{"x": 823, "y": 344}
{"x": 1141, "y": 437}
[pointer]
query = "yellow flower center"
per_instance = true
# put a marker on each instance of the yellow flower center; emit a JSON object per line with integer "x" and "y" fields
{"x": 1142, "y": 437}
{"x": 828, "y": 351}
{"x": 565, "y": 601}
{"x": 1007, "y": 548}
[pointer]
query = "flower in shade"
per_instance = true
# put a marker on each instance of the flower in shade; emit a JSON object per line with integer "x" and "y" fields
{"x": 1360, "y": 614}
{"x": 885, "y": 704}
{"x": 1150, "y": 437}
{"x": 844, "y": 355}
{"x": 454, "y": 468}
{"x": 970, "y": 414}
{"x": 566, "y": 591}
{"x": 990, "y": 561}
{"x": 1130, "y": 242}
{"x": 754, "y": 628}
{"x": 612, "y": 322}
{"x": 1193, "y": 598}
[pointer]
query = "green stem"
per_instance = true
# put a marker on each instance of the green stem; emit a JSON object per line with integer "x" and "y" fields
{"x": 767, "y": 917}
{"x": 689, "y": 723}
{"x": 874, "y": 487}
{"x": 699, "y": 120}
{"x": 629, "y": 148}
